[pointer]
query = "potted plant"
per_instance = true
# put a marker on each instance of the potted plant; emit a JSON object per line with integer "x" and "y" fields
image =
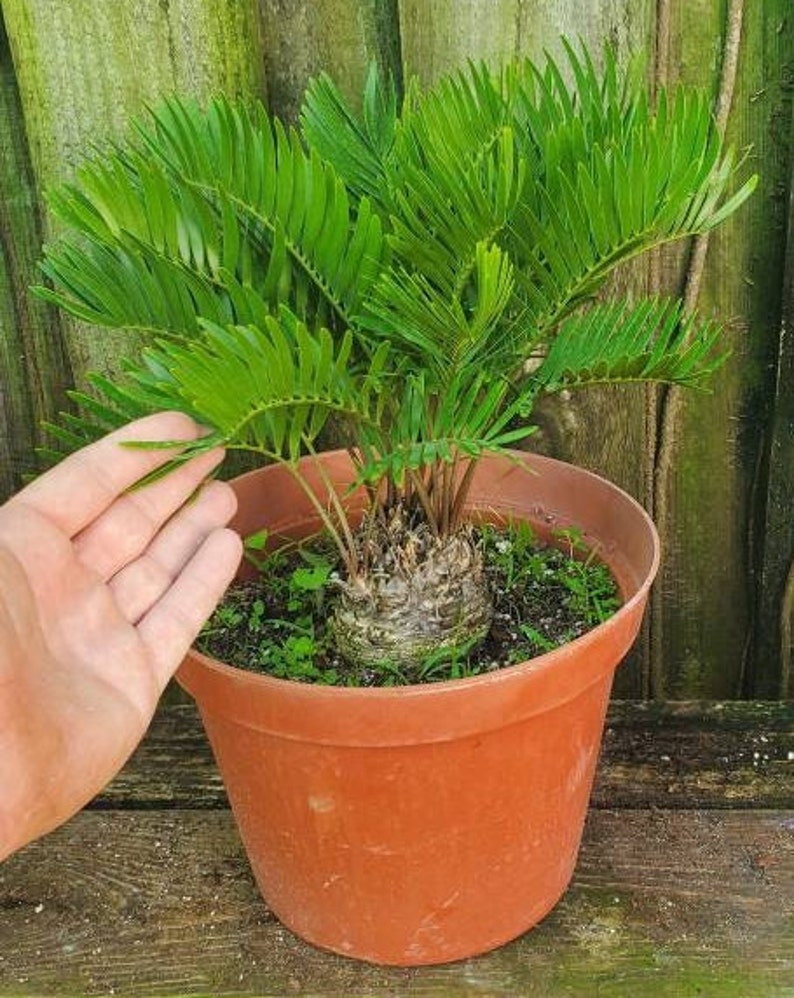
{"x": 423, "y": 271}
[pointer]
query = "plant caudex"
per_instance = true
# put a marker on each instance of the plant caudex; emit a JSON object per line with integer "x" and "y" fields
{"x": 423, "y": 271}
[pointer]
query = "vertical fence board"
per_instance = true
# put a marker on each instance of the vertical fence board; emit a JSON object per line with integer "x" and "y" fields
{"x": 33, "y": 366}
{"x": 774, "y": 647}
{"x": 84, "y": 68}
{"x": 342, "y": 37}
{"x": 441, "y": 36}
{"x": 715, "y": 490}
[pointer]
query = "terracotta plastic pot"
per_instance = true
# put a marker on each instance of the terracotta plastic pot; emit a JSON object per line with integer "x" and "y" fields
{"x": 424, "y": 824}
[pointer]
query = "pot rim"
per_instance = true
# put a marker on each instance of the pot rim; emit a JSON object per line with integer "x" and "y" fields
{"x": 537, "y": 664}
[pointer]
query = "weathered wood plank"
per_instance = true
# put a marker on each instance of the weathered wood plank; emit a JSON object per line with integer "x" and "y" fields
{"x": 680, "y": 756}
{"x": 33, "y": 366}
{"x": 85, "y": 68}
{"x": 711, "y": 501}
{"x": 303, "y": 37}
{"x": 751, "y": 716}
{"x": 669, "y": 904}
{"x": 440, "y": 37}
{"x": 773, "y": 674}
{"x": 714, "y": 495}
{"x": 718, "y": 759}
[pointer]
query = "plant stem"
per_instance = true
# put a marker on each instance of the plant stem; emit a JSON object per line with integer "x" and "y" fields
{"x": 341, "y": 514}
{"x": 433, "y": 489}
{"x": 347, "y": 553}
{"x": 462, "y": 495}
{"x": 447, "y": 478}
{"x": 425, "y": 499}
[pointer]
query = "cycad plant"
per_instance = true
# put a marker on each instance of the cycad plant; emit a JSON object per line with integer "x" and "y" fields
{"x": 422, "y": 271}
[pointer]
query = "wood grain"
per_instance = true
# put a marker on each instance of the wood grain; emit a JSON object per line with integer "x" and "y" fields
{"x": 715, "y": 494}
{"x": 81, "y": 68}
{"x": 667, "y": 899}
{"x": 85, "y": 68}
{"x": 774, "y": 638}
{"x": 33, "y": 367}
{"x": 341, "y": 37}
{"x": 668, "y": 904}
{"x": 601, "y": 429}
{"x": 664, "y": 756}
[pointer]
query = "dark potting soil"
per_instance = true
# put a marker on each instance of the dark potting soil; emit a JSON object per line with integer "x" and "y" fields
{"x": 543, "y": 597}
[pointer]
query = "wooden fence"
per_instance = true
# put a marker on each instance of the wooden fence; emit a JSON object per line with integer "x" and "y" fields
{"x": 716, "y": 471}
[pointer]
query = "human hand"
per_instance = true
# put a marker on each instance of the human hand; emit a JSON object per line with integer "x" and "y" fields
{"x": 102, "y": 591}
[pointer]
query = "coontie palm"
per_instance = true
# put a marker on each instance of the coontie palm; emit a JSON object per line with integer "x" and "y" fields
{"x": 421, "y": 271}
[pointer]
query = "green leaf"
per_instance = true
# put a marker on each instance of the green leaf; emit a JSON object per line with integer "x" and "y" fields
{"x": 649, "y": 340}
{"x": 357, "y": 145}
{"x": 257, "y": 541}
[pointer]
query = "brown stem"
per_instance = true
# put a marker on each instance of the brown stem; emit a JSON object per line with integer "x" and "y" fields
{"x": 351, "y": 561}
{"x": 462, "y": 495}
{"x": 444, "y": 497}
{"x": 425, "y": 500}
{"x": 408, "y": 491}
{"x": 357, "y": 460}
{"x": 431, "y": 484}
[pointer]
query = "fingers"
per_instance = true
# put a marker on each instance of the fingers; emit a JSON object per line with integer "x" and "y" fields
{"x": 138, "y": 586}
{"x": 76, "y": 491}
{"x": 126, "y": 528}
{"x": 170, "y": 627}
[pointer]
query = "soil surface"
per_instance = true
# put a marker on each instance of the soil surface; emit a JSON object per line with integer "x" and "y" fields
{"x": 543, "y": 597}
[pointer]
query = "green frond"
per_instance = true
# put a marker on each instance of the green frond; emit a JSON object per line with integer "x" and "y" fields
{"x": 269, "y": 389}
{"x": 613, "y": 180}
{"x": 441, "y": 332}
{"x": 220, "y": 214}
{"x": 423, "y": 454}
{"x": 466, "y": 421}
{"x": 112, "y": 405}
{"x": 437, "y": 239}
{"x": 357, "y": 145}
{"x": 129, "y": 287}
{"x": 649, "y": 340}
{"x": 277, "y": 188}
{"x": 397, "y": 266}
{"x": 455, "y": 121}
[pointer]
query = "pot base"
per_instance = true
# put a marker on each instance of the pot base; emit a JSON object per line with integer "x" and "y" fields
{"x": 420, "y": 955}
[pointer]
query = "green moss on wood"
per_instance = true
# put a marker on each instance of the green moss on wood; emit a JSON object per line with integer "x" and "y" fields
{"x": 84, "y": 68}
{"x": 33, "y": 367}
{"x": 717, "y": 491}
{"x": 342, "y": 37}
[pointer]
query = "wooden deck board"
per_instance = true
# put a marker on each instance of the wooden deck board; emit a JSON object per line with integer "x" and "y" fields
{"x": 162, "y": 903}
{"x": 683, "y": 755}
{"x": 685, "y": 884}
